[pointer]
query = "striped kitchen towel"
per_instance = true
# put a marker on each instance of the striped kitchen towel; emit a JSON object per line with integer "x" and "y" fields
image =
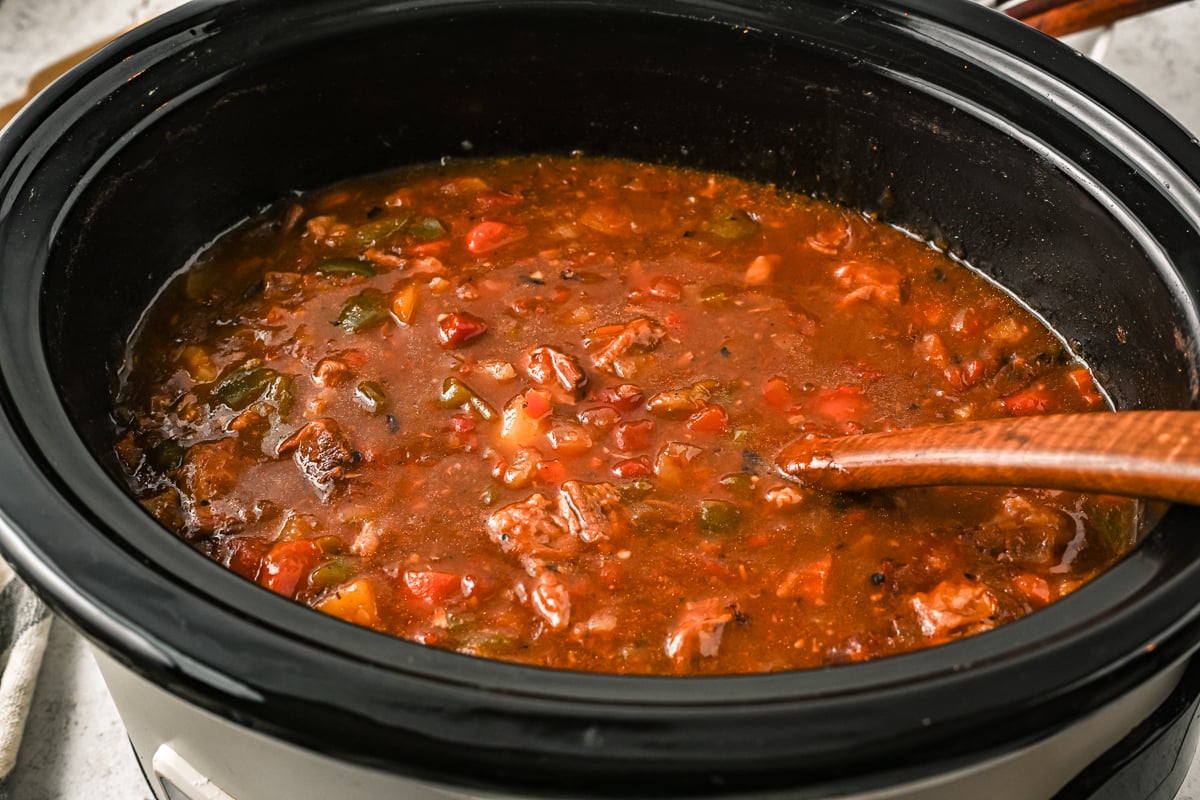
{"x": 24, "y": 628}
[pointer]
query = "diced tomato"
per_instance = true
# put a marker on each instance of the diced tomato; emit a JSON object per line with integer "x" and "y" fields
{"x": 760, "y": 539}
{"x": 431, "y": 587}
{"x": 551, "y": 471}
{"x": 777, "y": 393}
{"x": 964, "y": 376}
{"x": 459, "y": 327}
{"x": 488, "y": 236}
{"x": 633, "y": 468}
{"x": 711, "y": 419}
{"x": 287, "y": 564}
{"x": 1034, "y": 400}
{"x": 807, "y": 581}
{"x": 428, "y": 636}
{"x": 354, "y": 602}
{"x": 633, "y": 436}
{"x": 1083, "y": 382}
{"x": 974, "y": 371}
{"x": 537, "y": 405}
{"x": 462, "y": 423}
{"x": 843, "y": 404}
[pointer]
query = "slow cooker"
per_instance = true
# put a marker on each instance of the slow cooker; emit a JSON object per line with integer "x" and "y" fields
{"x": 1003, "y": 147}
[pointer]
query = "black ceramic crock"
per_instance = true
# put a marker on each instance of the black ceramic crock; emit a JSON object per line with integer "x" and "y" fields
{"x": 1015, "y": 153}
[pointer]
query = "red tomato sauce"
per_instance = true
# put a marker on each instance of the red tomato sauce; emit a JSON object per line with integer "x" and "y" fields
{"x": 528, "y": 409}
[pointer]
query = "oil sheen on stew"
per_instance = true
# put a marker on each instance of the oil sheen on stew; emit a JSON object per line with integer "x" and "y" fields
{"x": 528, "y": 409}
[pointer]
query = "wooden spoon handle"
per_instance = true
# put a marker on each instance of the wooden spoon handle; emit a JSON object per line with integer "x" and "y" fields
{"x": 1153, "y": 454}
{"x": 1062, "y": 17}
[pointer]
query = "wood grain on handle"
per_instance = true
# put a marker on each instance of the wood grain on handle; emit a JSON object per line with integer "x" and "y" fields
{"x": 1153, "y": 454}
{"x": 1063, "y": 17}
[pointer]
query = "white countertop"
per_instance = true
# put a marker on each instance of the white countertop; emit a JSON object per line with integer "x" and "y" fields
{"x": 75, "y": 746}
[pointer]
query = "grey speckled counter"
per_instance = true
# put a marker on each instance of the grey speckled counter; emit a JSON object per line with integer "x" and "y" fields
{"x": 75, "y": 747}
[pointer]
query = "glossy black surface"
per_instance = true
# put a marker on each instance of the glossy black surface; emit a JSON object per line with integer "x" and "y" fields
{"x": 941, "y": 116}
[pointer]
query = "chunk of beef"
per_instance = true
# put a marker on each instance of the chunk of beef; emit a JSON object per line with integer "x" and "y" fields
{"x": 1013, "y": 376}
{"x": 322, "y": 453}
{"x": 166, "y": 507}
{"x": 1026, "y": 532}
{"x": 954, "y": 607}
{"x": 698, "y": 629}
{"x": 539, "y": 528}
{"x": 551, "y": 600}
{"x": 869, "y": 281}
{"x": 279, "y": 286}
{"x": 210, "y": 473}
{"x": 330, "y": 372}
{"x": 615, "y": 343}
{"x": 831, "y": 239}
{"x": 591, "y": 511}
{"x": 531, "y": 528}
{"x": 521, "y": 469}
{"x": 556, "y": 371}
{"x": 808, "y": 581}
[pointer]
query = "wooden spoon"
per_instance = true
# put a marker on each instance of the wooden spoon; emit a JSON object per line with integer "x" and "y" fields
{"x": 1062, "y": 17}
{"x": 1152, "y": 454}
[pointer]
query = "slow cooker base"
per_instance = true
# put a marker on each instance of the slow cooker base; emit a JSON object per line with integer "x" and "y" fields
{"x": 218, "y": 758}
{"x": 1152, "y": 762}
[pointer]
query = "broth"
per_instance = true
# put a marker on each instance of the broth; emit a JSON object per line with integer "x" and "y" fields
{"x": 528, "y": 409}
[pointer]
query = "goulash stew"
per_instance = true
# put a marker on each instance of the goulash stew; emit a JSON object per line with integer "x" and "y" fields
{"x": 528, "y": 409}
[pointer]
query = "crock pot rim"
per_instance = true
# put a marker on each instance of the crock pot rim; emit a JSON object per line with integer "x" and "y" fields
{"x": 152, "y": 653}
